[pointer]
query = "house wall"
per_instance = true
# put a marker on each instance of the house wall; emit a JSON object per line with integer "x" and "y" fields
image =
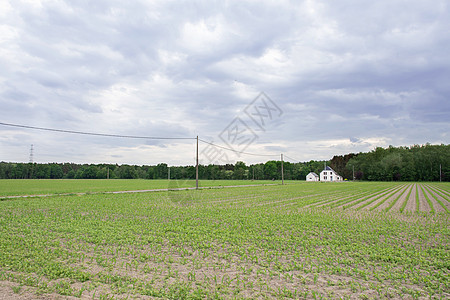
{"x": 311, "y": 177}
{"x": 329, "y": 176}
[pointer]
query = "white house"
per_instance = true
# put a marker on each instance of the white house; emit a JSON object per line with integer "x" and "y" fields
{"x": 312, "y": 177}
{"x": 328, "y": 174}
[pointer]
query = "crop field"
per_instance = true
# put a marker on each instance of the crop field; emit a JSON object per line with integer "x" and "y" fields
{"x": 301, "y": 240}
{"x": 17, "y": 187}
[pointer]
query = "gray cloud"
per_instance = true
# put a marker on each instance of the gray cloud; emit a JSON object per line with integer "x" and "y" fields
{"x": 349, "y": 76}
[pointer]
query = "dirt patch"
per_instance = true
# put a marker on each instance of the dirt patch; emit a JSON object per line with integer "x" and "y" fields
{"x": 14, "y": 291}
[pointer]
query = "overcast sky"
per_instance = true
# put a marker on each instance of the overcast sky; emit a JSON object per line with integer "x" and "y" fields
{"x": 337, "y": 76}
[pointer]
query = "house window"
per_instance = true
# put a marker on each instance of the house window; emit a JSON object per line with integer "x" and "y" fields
{"x": 324, "y": 173}
{"x": 325, "y": 177}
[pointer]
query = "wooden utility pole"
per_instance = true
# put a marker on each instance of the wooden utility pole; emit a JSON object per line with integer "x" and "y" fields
{"x": 168, "y": 176}
{"x": 440, "y": 173}
{"x": 196, "y": 168}
{"x": 282, "y": 170}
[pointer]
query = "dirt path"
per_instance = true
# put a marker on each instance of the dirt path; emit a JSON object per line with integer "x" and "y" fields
{"x": 411, "y": 205}
{"x": 402, "y": 198}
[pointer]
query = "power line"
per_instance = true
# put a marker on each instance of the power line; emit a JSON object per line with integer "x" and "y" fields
{"x": 296, "y": 160}
{"x": 96, "y": 134}
{"x": 236, "y": 151}
{"x": 134, "y": 137}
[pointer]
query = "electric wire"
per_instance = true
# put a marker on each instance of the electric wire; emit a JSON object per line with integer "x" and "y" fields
{"x": 295, "y": 160}
{"x": 96, "y": 134}
{"x": 136, "y": 137}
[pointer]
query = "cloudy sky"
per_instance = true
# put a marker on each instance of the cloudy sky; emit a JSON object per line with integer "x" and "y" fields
{"x": 337, "y": 77}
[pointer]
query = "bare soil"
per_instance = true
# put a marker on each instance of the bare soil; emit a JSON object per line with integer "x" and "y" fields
{"x": 437, "y": 207}
{"x": 370, "y": 199}
{"x": 402, "y": 198}
{"x": 388, "y": 202}
{"x": 423, "y": 204}
{"x": 443, "y": 200}
{"x": 411, "y": 205}
{"x": 387, "y": 195}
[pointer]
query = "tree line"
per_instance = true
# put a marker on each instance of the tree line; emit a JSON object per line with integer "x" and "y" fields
{"x": 416, "y": 163}
{"x": 268, "y": 171}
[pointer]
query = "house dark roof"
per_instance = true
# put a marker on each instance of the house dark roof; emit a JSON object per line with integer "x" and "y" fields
{"x": 327, "y": 168}
{"x": 313, "y": 174}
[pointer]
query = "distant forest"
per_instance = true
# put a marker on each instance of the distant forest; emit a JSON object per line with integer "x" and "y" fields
{"x": 415, "y": 163}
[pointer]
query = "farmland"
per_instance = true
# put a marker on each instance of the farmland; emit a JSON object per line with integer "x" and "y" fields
{"x": 69, "y": 186}
{"x": 301, "y": 240}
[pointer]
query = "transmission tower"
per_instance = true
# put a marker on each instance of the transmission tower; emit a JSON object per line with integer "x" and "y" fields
{"x": 31, "y": 154}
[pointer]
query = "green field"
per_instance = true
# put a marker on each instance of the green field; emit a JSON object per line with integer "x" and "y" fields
{"x": 303, "y": 240}
{"x": 13, "y": 187}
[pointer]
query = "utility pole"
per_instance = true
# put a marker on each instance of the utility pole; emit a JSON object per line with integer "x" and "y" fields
{"x": 253, "y": 173}
{"x": 440, "y": 172}
{"x": 107, "y": 173}
{"x": 196, "y": 168}
{"x": 282, "y": 170}
{"x": 168, "y": 176}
